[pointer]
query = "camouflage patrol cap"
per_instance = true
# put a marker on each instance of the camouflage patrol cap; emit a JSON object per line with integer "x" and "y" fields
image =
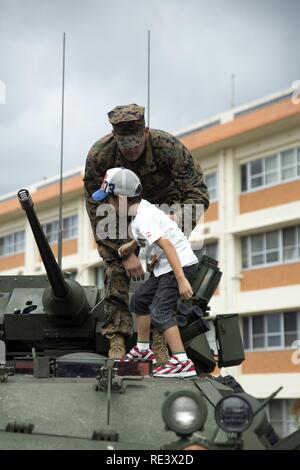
{"x": 129, "y": 124}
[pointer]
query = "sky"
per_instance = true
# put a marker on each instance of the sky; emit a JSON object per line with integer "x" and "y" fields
{"x": 196, "y": 45}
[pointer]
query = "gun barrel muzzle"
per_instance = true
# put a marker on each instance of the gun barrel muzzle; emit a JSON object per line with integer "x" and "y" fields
{"x": 25, "y": 199}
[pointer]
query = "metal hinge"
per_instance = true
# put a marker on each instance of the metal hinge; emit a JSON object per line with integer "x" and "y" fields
{"x": 22, "y": 428}
{"x": 110, "y": 436}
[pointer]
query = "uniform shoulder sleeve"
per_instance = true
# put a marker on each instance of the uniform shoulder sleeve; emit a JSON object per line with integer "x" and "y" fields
{"x": 174, "y": 157}
{"x": 100, "y": 157}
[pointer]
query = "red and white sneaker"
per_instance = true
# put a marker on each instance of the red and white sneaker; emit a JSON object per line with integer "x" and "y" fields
{"x": 136, "y": 353}
{"x": 175, "y": 368}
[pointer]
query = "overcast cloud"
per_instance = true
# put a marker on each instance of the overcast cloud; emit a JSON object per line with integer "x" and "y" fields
{"x": 195, "y": 46}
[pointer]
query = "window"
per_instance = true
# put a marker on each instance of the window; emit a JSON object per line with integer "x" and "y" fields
{"x": 290, "y": 164}
{"x": 272, "y": 331}
{"x": 245, "y": 249}
{"x": 244, "y": 171}
{"x": 70, "y": 229}
{"x": 272, "y": 247}
{"x": 277, "y": 246}
{"x": 246, "y": 332}
{"x": 284, "y": 416}
{"x": 211, "y": 249}
{"x": 258, "y": 332}
{"x": 256, "y": 173}
{"x": 212, "y": 186}
{"x": 291, "y": 328}
{"x": 291, "y": 243}
{"x": 12, "y": 244}
{"x": 257, "y": 245}
{"x": 51, "y": 231}
{"x": 273, "y": 169}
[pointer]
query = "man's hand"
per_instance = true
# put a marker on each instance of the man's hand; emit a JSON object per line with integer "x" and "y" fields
{"x": 185, "y": 290}
{"x": 127, "y": 248}
{"x": 133, "y": 268}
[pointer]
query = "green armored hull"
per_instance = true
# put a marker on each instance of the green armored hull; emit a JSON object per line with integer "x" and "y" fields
{"x": 68, "y": 413}
{"x": 57, "y": 393}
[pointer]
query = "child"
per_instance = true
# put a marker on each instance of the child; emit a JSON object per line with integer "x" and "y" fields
{"x": 175, "y": 267}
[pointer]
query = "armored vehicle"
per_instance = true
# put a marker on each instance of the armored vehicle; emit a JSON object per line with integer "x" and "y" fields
{"x": 58, "y": 390}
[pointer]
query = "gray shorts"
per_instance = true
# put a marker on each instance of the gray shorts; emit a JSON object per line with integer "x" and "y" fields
{"x": 158, "y": 297}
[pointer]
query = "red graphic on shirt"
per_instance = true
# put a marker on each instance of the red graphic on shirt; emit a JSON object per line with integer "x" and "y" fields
{"x": 148, "y": 234}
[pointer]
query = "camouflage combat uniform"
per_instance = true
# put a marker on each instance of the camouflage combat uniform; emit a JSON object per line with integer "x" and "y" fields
{"x": 168, "y": 175}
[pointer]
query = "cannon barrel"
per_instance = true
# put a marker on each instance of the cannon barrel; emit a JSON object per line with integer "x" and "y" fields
{"x": 65, "y": 301}
{"x": 55, "y": 276}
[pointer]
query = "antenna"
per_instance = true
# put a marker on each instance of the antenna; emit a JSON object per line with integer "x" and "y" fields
{"x": 60, "y": 221}
{"x": 232, "y": 104}
{"x": 148, "y": 82}
{"x": 267, "y": 400}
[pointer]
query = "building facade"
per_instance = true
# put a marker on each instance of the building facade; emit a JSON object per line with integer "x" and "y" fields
{"x": 251, "y": 160}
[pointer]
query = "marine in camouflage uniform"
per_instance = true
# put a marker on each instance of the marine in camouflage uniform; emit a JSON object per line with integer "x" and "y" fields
{"x": 168, "y": 175}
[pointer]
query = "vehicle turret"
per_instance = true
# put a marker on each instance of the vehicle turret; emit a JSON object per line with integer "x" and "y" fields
{"x": 64, "y": 300}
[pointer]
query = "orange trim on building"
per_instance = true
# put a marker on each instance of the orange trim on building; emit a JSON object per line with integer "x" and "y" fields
{"x": 69, "y": 247}
{"x": 212, "y": 212}
{"x": 241, "y": 125}
{"x": 13, "y": 261}
{"x": 269, "y": 197}
{"x": 269, "y": 362}
{"x": 43, "y": 194}
{"x": 275, "y": 276}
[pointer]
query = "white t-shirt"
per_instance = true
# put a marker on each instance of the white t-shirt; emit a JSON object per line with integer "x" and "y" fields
{"x": 150, "y": 224}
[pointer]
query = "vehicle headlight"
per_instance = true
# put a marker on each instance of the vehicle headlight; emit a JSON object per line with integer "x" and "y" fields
{"x": 234, "y": 413}
{"x": 184, "y": 412}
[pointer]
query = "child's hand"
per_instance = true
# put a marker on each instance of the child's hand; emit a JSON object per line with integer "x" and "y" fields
{"x": 127, "y": 248}
{"x": 185, "y": 290}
